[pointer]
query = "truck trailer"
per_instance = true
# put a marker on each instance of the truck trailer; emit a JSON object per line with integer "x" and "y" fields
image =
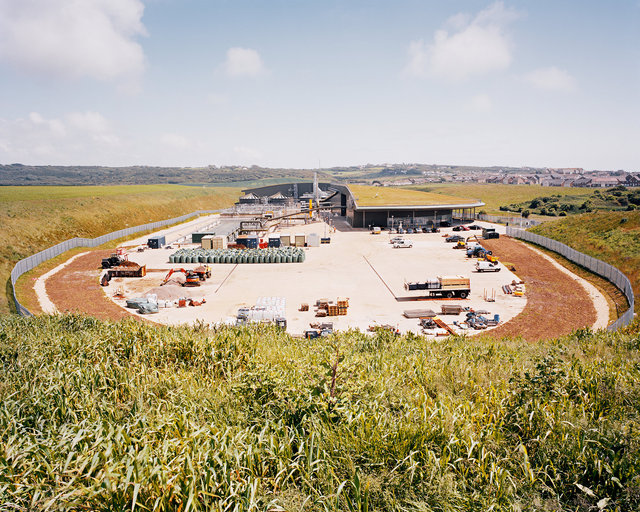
{"x": 443, "y": 286}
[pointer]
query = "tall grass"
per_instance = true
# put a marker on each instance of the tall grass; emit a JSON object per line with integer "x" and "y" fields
{"x": 123, "y": 416}
{"x": 34, "y": 218}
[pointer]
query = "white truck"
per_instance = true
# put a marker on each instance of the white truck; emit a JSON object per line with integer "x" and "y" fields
{"x": 487, "y": 266}
{"x": 402, "y": 243}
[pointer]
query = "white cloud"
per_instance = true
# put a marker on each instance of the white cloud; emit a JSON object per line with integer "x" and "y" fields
{"x": 37, "y": 139}
{"x": 470, "y": 46}
{"x": 243, "y": 62}
{"x": 74, "y": 38}
{"x": 176, "y": 141}
{"x": 88, "y": 121}
{"x": 551, "y": 79}
{"x": 481, "y": 103}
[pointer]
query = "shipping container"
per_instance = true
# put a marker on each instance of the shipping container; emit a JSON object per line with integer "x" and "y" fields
{"x": 207, "y": 242}
{"x": 285, "y": 240}
{"x": 196, "y": 238}
{"x": 300, "y": 240}
{"x": 274, "y": 241}
{"x": 155, "y": 242}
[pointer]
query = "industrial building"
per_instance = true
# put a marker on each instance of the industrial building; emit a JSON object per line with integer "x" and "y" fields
{"x": 367, "y": 212}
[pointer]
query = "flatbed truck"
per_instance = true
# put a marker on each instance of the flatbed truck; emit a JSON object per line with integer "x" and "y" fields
{"x": 443, "y": 286}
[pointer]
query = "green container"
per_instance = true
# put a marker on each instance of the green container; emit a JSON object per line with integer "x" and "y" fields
{"x": 278, "y": 258}
{"x": 216, "y": 258}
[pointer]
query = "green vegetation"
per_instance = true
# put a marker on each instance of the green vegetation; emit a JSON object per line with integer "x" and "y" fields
{"x": 34, "y": 218}
{"x": 381, "y": 196}
{"x": 124, "y": 416}
{"x": 613, "y": 237}
{"x": 496, "y": 196}
{"x": 560, "y": 205}
{"x": 31, "y": 175}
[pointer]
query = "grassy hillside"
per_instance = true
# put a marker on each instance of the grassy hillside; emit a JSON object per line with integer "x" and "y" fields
{"x": 382, "y": 196}
{"x": 34, "y": 218}
{"x": 102, "y": 416}
{"x": 496, "y": 196}
{"x": 613, "y": 237}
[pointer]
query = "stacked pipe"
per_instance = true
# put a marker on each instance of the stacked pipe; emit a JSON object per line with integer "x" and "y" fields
{"x": 267, "y": 255}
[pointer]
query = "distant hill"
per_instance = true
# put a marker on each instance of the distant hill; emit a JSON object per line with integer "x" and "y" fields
{"x": 20, "y": 174}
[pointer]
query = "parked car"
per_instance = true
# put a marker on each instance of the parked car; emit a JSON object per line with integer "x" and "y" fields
{"x": 396, "y": 239}
{"x": 461, "y": 227}
{"x": 402, "y": 243}
{"x": 454, "y": 238}
{"x": 474, "y": 226}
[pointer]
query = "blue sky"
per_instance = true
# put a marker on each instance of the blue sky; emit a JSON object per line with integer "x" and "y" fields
{"x": 306, "y": 83}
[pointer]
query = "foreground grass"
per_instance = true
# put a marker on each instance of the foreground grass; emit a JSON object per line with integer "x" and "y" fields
{"x": 613, "y": 237}
{"x": 34, "y": 218}
{"x": 123, "y": 416}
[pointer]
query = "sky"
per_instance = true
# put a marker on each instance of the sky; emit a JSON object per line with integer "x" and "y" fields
{"x": 320, "y": 83}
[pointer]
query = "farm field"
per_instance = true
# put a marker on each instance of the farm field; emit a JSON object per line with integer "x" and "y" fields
{"x": 34, "y": 218}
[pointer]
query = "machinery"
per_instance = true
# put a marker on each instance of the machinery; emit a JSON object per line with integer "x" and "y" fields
{"x": 115, "y": 260}
{"x": 192, "y": 277}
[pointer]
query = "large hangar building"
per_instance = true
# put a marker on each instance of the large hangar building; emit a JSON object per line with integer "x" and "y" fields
{"x": 366, "y": 206}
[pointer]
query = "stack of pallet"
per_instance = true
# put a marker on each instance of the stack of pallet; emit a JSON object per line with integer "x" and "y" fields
{"x": 325, "y": 307}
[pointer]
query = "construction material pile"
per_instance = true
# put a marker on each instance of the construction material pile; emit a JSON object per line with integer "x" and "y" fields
{"x": 326, "y": 307}
{"x": 268, "y": 255}
{"x": 266, "y": 310}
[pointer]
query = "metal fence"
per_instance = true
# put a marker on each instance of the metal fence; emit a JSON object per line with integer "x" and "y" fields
{"x": 29, "y": 263}
{"x": 509, "y": 221}
{"x": 595, "y": 265}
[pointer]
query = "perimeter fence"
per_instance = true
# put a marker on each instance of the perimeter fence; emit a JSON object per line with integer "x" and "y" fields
{"x": 29, "y": 263}
{"x": 609, "y": 272}
{"x": 509, "y": 221}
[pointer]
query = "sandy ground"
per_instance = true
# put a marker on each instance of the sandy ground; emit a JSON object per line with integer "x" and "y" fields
{"x": 558, "y": 304}
{"x": 599, "y": 302}
{"x": 40, "y": 286}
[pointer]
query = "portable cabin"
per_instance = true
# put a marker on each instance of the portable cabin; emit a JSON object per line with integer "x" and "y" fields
{"x": 155, "y": 242}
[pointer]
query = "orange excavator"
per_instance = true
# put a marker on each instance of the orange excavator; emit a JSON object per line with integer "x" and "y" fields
{"x": 192, "y": 278}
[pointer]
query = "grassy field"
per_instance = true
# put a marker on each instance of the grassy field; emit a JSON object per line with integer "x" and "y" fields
{"x": 381, "y": 196}
{"x": 34, "y": 218}
{"x": 106, "y": 417}
{"x": 613, "y": 237}
{"x": 499, "y": 195}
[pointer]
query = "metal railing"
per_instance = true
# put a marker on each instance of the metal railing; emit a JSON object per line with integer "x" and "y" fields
{"x": 509, "y": 221}
{"x": 29, "y": 263}
{"x": 609, "y": 272}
